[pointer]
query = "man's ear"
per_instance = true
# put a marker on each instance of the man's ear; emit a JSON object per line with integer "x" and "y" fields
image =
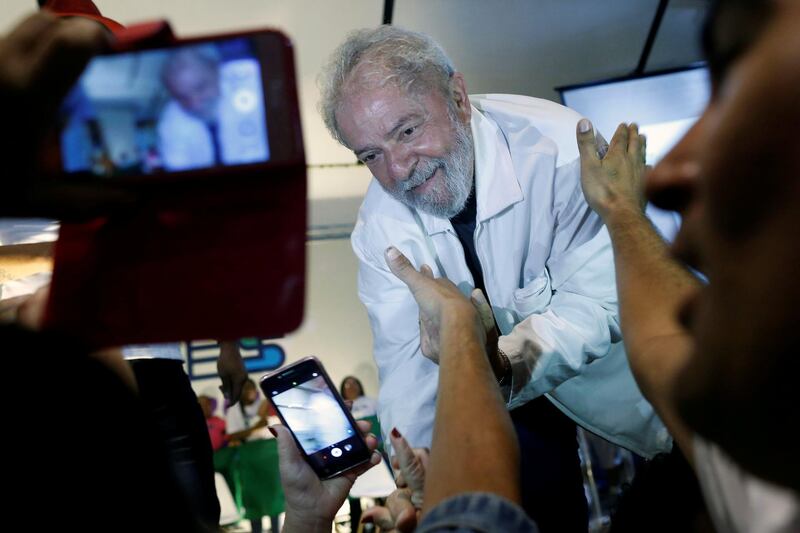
{"x": 458, "y": 92}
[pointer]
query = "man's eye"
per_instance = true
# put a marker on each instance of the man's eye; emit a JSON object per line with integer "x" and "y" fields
{"x": 367, "y": 158}
{"x": 409, "y": 131}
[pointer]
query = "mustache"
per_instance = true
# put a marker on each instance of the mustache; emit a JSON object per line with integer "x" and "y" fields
{"x": 421, "y": 174}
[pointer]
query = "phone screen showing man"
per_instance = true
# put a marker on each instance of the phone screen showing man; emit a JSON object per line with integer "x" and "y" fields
{"x": 192, "y": 107}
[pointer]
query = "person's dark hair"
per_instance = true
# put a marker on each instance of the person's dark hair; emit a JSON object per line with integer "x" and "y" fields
{"x": 241, "y": 400}
{"x": 730, "y": 28}
{"x": 360, "y": 385}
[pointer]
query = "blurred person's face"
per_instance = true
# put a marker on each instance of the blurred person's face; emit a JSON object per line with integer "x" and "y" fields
{"x": 735, "y": 178}
{"x": 351, "y": 389}
{"x": 419, "y": 150}
{"x": 249, "y": 393}
{"x": 194, "y": 83}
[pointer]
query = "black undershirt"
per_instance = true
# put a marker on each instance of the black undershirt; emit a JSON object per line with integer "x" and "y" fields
{"x": 464, "y": 225}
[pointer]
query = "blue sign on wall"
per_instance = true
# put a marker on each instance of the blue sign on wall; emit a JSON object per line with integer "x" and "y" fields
{"x": 259, "y": 355}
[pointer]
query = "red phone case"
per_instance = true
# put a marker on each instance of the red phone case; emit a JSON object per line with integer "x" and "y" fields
{"x": 215, "y": 259}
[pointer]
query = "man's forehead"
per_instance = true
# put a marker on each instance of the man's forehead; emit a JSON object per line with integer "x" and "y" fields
{"x": 367, "y": 79}
{"x": 378, "y": 110}
{"x": 385, "y": 102}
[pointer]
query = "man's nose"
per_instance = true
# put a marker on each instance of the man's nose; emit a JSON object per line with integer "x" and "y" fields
{"x": 401, "y": 163}
{"x": 673, "y": 182}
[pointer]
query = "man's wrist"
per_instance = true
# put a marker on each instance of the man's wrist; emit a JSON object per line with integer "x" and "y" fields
{"x": 461, "y": 321}
{"x": 622, "y": 214}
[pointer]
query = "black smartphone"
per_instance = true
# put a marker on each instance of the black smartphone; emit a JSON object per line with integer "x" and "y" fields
{"x": 308, "y": 404}
{"x": 210, "y": 106}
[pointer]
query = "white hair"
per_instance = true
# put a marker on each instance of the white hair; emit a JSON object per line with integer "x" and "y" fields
{"x": 385, "y": 55}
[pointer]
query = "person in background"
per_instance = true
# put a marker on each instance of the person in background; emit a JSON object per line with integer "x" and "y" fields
{"x": 247, "y": 420}
{"x": 363, "y": 406}
{"x": 216, "y": 425}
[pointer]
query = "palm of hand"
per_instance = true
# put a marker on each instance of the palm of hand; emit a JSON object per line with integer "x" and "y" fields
{"x": 616, "y": 180}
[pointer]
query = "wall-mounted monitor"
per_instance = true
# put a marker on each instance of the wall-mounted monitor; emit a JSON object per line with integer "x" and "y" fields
{"x": 664, "y": 104}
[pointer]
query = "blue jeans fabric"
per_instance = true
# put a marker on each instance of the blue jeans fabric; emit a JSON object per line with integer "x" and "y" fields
{"x": 477, "y": 512}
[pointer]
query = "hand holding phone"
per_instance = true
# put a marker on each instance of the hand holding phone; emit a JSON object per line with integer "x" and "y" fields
{"x": 310, "y": 500}
{"x": 307, "y": 403}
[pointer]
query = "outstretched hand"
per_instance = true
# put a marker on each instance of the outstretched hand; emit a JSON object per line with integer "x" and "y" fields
{"x": 437, "y": 298}
{"x": 402, "y": 509}
{"x": 615, "y": 181}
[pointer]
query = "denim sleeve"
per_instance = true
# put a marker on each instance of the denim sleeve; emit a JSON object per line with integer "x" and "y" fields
{"x": 477, "y": 512}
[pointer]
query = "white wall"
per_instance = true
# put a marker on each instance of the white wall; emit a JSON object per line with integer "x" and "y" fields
{"x": 336, "y": 329}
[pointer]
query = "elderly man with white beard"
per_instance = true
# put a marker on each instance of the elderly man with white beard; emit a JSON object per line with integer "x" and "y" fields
{"x": 486, "y": 191}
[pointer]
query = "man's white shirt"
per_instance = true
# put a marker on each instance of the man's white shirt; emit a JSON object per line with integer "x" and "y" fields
{"x": 548, "y": 271}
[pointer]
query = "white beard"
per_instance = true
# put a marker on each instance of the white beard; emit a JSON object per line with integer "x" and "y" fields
{"x": 448, "y": 197}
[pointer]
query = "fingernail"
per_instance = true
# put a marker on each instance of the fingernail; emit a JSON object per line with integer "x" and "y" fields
{"x": 392, "y": 252}
{"x": 272, "y": 430}
{"x": 584, "y": 125}
{"x": 396, "y": 434}
{"x": 376, "y": 458}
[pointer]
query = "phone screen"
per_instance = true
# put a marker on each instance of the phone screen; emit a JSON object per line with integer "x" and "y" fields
{"x": 305, "y": 401}
{"x": 191, "y": 107}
